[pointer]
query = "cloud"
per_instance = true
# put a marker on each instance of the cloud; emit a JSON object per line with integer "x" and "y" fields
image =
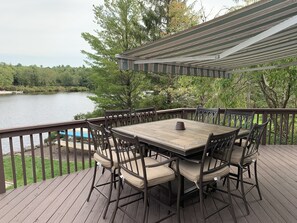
{"x": 46, "y": 29}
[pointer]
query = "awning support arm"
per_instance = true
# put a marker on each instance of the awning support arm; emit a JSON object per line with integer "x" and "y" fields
{"x": 273, "y": 30}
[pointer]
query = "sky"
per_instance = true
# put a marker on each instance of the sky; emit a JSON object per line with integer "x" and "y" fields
{"x": 48, "y": 32}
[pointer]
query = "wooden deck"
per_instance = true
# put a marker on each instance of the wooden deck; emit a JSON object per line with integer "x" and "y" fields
{"x": 63, "y": 199}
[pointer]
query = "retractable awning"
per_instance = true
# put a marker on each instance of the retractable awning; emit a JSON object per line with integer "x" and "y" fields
{"x": 257, "y": 34}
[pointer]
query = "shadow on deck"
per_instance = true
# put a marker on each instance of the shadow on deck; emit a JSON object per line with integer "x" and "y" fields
{"x": 63, "y": 199}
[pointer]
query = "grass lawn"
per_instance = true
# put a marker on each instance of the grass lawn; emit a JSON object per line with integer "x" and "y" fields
{"x": 29, "y": 172}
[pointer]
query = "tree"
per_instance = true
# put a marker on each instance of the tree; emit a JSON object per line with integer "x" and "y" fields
{"x": 6, "y": 75}
{"x": 119, "y": 31}
{"x": 34, "y": 76}
{"x": 181, "y": 16}
{"x": 279, "y": 90}
{"x": 165, "y": 17}
{"x": 192, "y": 91}
{"x": 162, "y": 18}
{"x": 279, "y": 86}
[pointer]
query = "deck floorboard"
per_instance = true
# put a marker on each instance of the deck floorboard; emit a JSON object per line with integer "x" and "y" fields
{"x": 63, "y": 199}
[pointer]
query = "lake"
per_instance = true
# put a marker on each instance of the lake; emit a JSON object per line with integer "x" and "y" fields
{"x": 26, "y": 110}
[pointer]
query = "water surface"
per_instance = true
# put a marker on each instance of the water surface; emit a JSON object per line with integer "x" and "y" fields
{"x": 24, "y": 110}
{"x": 27, "y": 110}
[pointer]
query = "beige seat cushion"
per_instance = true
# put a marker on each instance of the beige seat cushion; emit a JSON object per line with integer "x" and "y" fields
{"x": 237, "y": 154}
{"x": 106, "y": 162}
{"x": 191, "y": 171}
{"x": 155, "y": 175}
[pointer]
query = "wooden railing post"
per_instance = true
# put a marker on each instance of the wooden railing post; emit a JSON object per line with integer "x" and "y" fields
{"x": 2, "y": 176}
{"x": 264, "y": 119}
{"x": 184, "y": 114}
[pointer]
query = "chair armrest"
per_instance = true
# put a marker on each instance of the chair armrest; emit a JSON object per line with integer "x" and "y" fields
{"x": 117, "y": 149}
{"x": 163, "y": 162}
{"x": 192, "y": 160}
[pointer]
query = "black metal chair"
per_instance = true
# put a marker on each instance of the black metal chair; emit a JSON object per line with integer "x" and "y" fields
{"x": 142, "y": 174}
{"x": 143, "y": 115}
{"x": 213, "y": 166}
{"x": 244, "y": 156}
{"x": 106, "y": 157}
{"x": 115, "y": 118}
{"x": 207, "y": 115}
{"x": 238, "y": 119}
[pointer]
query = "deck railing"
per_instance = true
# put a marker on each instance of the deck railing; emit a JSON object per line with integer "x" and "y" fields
{"x": 66, "y": 147}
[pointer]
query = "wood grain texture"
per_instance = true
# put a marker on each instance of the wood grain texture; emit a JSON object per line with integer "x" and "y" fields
{"x": 63, "y": 199}
{"x": 183, "y": 142}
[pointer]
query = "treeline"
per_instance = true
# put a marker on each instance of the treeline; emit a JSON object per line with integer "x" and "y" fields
{"x": 59, "y": 78}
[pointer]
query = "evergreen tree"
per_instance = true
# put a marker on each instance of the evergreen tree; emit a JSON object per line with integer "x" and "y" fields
{"x": 166, "y": 17}
{"x": 118, "y": 30}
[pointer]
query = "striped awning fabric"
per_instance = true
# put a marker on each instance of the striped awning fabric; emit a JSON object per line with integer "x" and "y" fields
{"x": 257, "y": 34}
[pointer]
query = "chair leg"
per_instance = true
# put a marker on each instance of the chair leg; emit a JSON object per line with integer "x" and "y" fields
{"x": 93, "y": 181}
{"x": 117, "y": 203}
{"x": 201, "y": 201}
{"x": 144, "y": 219}
{"x": 114, "y": 179}
{"x": 256, "y": 179}
{"x": 249, "y": 172}
{"x": 178, "y": 199}
{"x": 148, "y": 210}
{"x": 230, "y": 200}
{"x": 238, "y": 177}
{"x": 169, "y": 192}
{"x": 109, "y": 195}
{"x": 224, "y": 181}
{"x": 150, "y": 153}
{"x": 242, "y": 191}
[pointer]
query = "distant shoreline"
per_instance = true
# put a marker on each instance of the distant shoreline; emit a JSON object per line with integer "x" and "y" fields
{"x": 10, "y": 92}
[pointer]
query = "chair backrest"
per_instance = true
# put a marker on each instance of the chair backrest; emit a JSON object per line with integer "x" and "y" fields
{"x": 129, "y": 153}
{"x": 217, "y": 152}
{"x": 238, "y": 119}
{"x": 114, "y": 118}
{"x": 100, "y": 138}
{"x": 252, "y": 143}
{"x": 145, "y": 115}
{"x": 207, "y": 115}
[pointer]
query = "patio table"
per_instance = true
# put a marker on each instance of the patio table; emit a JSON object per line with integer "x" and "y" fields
{"x": 162, "y": 134}
{"x": 184, "y": 143}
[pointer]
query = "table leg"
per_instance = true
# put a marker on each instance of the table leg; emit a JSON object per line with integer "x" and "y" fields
{"x": 182, "y": 190}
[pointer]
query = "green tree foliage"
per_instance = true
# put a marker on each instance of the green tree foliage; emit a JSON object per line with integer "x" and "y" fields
{"x": 165, "y": 17}
{"x": 119, "y": 31}
{"x": 162, "y": 18}
{"x": 6, "y": 75}
{"x": 275, "y": 88}
{"x": 228, "y": 93}
{"x": 181, "y": 16}
{"x": 279, "y": 87}
{"x": 126, "y": 24}
{"x": 34, "y": 76}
